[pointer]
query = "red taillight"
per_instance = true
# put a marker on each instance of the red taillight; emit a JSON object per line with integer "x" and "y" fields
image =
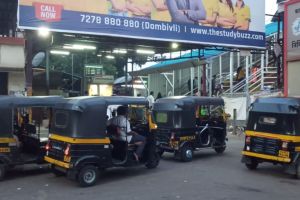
{"x": 48, "y": 146}
{"x": 285, "y": 146}
{"x": 248, "y": 140}
{"x": 67, "y": 150}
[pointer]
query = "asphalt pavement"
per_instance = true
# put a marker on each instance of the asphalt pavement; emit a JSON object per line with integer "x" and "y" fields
{"x": 209, "y": 177}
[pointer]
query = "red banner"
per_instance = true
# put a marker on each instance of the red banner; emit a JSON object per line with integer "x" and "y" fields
{"x": 48, "y": 12}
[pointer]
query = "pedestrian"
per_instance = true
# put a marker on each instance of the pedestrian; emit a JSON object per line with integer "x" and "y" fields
{"x": 159, "y": 96}
{"x": 213, "y": 85}
{"x": 150, "y": 99}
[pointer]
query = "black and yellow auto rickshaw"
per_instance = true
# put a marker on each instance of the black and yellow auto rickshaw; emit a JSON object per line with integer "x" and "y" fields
{"x": 273, "y": 134}
{"x": 81, "y": 144}
{"x": 186, "y": 124}
{"x": 24, "y": 131}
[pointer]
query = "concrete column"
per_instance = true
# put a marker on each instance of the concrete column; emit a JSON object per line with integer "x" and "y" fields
{"x": 210, "y": 77}
{"x": 220, "y": 68}
{"x": 262, "y": 66}
{"x": 231, "y": 72}
{"x": 199, "y": 80}
{"x": 247, "y": 74}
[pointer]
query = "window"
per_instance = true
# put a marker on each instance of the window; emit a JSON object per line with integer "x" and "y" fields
{"x": 61, "y": 119}
{"x": 267, "y": 120}
{"x": 161, "y": 117}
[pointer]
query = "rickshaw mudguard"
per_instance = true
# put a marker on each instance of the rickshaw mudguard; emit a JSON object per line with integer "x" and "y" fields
{"x": 91, "y": 159}
{"x": 4, "y": 159}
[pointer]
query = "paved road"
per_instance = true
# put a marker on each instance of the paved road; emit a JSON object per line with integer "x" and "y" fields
{"x": 209, "y": 176}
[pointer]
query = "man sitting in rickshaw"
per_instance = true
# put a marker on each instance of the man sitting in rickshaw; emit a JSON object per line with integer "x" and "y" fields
{"x": 125, "y": 133}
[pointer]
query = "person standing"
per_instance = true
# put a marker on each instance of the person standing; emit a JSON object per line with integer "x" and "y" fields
{"x": 186, "y": 11}
{"x": 160, "y": 11}
{"x": 226, "y": 18}
{"x": 117, "y": 8}
{"x": 150, "y": 99}
{"x": 212, "y": 12}
{"x": 243, "y": 16}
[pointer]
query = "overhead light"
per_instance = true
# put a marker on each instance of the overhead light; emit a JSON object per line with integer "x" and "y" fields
{"x": 120, "y": 51}
{"x": 94, "y": 66}
{"x": 99, "y": 55}
{"x": 79, "y": 47}
{"x": 57, "y": 52}
{"x": 175, "y": 45}
{"x": 69, "y": 35}
{"x": 43, "y": 32}
{"x": 110, "y": 57}
{"x": 144, "y": 51}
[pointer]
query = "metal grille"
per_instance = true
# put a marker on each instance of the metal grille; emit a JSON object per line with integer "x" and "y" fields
{"x": 265, "y": 146}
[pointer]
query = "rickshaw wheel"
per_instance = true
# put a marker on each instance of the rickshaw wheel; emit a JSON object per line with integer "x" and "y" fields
{"x": 220, "y": 150}
{"x": 252, "y": 165}
{"x": 2, "y": 171}
{"x": 88, "y": 176}
{"x": 186, "y": 154}
{"x": 161, "y": 152}
{"x": 153, "y": 163}
{"x": 298, "y": 171}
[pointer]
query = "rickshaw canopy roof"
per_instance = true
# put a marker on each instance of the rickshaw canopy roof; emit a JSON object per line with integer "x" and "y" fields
{"x": 276, "y": 105}
{"x": 32, "y": 101}
{"x": 81, "y": 103}
{"x": 180, "y": 102}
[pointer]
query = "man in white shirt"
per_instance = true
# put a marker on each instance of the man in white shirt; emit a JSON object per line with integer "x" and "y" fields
{"x": 125, "y": 133}
{"x": 150, "y": 98}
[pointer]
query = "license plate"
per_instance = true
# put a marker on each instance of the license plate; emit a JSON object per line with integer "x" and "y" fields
{"x": 4, "y": 150}
{"x": 284, "y": 154}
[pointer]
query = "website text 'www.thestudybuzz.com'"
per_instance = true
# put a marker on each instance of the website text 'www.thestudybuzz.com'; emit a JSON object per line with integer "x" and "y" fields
{"x": 227, "y": 33}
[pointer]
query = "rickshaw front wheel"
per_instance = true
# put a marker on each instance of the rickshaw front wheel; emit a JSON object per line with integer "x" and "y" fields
{"x": 220, "y": 150}
{"x": 88, "y": 176}
{"x": 153, "y": 162}
{"x": 2, "y": 171}
{"x": 252, "y": 165}
{"x": 298, "y": 171}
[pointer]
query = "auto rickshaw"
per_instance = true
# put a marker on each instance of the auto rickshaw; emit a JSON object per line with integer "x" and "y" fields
{"x": 81, "y": 144}
{"x": 190, "y": 123}
{"x": 21, "y": 140}
{"x": 273, "y": 134}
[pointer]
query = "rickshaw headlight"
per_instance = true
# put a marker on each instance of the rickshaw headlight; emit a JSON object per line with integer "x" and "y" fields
{"x": 285, "y": 146}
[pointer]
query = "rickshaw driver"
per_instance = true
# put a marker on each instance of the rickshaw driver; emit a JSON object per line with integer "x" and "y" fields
{"x": 126, "y": 134}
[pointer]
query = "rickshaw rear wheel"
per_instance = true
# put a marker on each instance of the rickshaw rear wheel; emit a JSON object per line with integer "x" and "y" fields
{"x": 252, "y": 165}
{"x": 220, "y": 150}
{"x": 88, "y": 176}
{"x": 2, "y": 171}
{"x": 186, "y": 153}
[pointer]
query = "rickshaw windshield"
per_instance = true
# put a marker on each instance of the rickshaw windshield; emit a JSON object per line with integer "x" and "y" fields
{"x": 287, "y": 124}
{"x": 137, "y": 113}
{"x": 168, "y": 119}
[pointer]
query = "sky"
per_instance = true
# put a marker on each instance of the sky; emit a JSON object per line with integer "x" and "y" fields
{"x": 270, "y": 8}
